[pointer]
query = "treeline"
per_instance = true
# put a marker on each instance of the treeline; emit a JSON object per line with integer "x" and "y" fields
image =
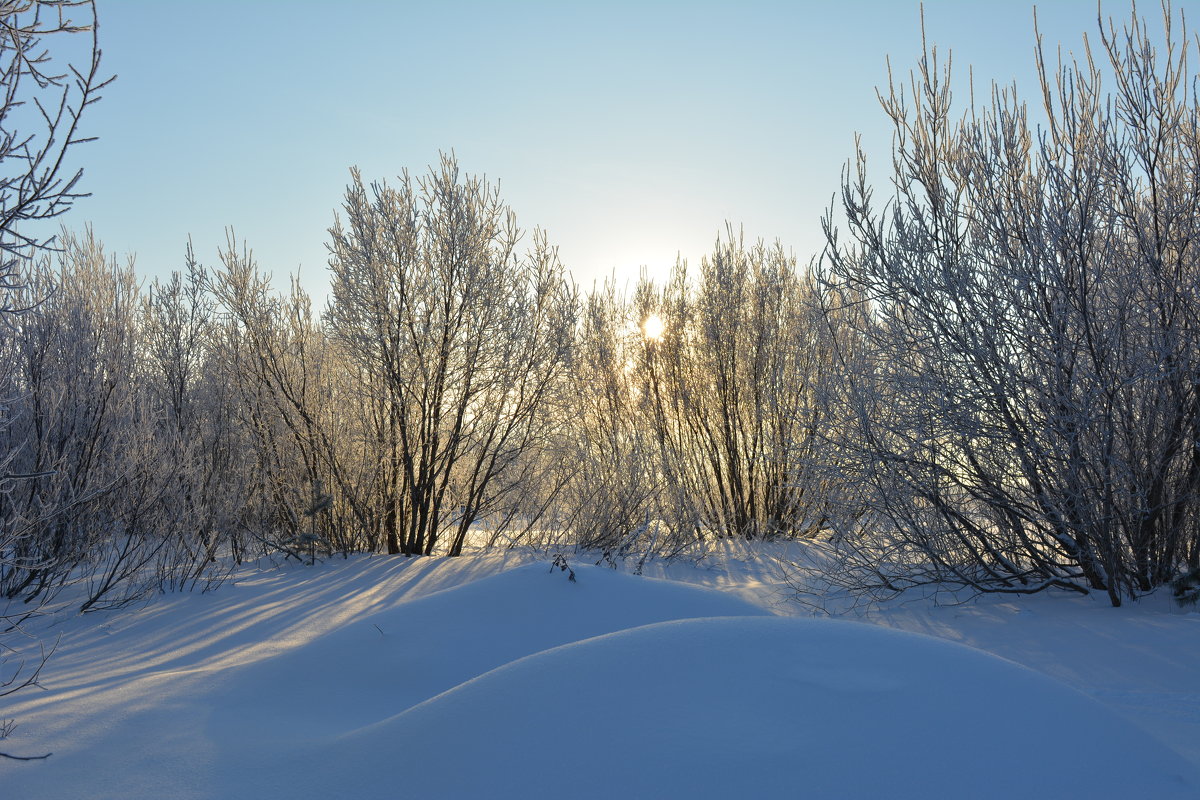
{"x": 991, "y": 380}
{"x": 456, "y": 391}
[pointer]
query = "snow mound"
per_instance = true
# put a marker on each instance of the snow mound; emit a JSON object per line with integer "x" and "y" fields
{"x": 223, "y": 716}
{"x": 355, "y": 681}
{"x": 752, "y": 707}
{"x": 389, "y": 661}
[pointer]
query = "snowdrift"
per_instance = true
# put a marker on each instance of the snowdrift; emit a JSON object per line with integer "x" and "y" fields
{"x": 392, "y": 660}
{"x": 289, "y": 659}
{"x": 757, "y": 707}
{"x": 353, "y": 681}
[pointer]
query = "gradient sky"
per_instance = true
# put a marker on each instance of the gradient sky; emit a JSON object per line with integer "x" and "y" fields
{"x": 629, "y": 131}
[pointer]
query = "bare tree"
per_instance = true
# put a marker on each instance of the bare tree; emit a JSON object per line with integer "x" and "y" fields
{"x": 1027, "y": 415}
{"x": 297, "y": 413}
{"x": 105, "y": 467}
{"x": 462, "y": 341}
{"x": 189, "y": 394}
{"x": 729, "y": 382}
{"x": 44, "y": 98}
{"x": 608, "y": 457}
{"x": 43, "y": 104}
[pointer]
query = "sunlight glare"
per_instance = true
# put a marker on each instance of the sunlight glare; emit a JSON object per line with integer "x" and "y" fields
{"x": 652, "y": 328}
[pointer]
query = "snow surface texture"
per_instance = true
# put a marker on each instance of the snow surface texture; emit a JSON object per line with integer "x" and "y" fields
{"x": 462, "y": 678}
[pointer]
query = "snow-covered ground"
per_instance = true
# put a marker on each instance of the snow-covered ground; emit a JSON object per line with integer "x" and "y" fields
{"x": 496, "y": 676}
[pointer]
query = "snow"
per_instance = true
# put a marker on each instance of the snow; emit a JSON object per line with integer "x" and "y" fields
{"x": 496, "y": 676}
{"x": 761, "y": 707}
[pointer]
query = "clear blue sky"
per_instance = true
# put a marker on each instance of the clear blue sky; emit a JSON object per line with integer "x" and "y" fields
{"x": 630, "y": 131}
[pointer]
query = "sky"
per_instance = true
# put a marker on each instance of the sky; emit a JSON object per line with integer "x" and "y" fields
{"x": 631, "y": 132}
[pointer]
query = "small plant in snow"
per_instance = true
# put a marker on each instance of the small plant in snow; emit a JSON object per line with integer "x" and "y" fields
{"x": 560, "y": 561}
{"x": 1186, "y": 588}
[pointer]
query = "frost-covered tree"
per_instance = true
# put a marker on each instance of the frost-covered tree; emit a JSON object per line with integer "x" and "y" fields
{"x": 462, "y": 341}
{"x": 1028, "y": 409}
{"x": 698, "y": 411}
{"x": 607, "y": 458}
{"x": 730, "y": 386}
{"x": 296, "y": 415}
{"x": 97, "y": 383}
{"x": 43, "y": 96}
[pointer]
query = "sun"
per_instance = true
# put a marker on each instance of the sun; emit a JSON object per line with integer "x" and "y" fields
{"x": 652, "y": 328}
